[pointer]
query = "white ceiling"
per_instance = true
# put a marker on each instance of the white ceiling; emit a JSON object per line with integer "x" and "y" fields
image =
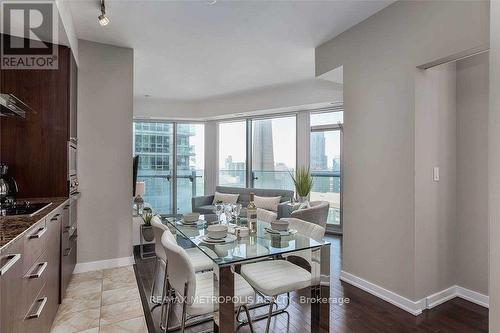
{"x": 193, "y": 50}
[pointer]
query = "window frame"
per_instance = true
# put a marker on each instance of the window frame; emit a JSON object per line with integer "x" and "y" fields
{"x": 248, "y": 145}
{"x": 334, "y": 229}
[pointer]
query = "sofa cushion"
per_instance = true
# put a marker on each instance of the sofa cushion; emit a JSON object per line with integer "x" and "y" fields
{"x": 207, "y": 209}
{"x": 267, "y": 203}
{"x": 244, "y": 193}
{"x": 225, "y": 198}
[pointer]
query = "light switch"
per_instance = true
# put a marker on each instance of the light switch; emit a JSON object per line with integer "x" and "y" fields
{"x": 435, "y": 174}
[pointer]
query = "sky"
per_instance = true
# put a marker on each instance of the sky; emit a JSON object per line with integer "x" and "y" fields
{"x": 232, "y": 139}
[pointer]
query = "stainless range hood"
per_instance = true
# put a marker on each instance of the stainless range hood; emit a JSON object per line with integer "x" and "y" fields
{"x": 11, "y": 106}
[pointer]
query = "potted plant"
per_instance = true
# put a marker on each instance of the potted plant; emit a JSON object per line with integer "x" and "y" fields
{"x": 303, "y": 185}
{"x": 146, "y": 229}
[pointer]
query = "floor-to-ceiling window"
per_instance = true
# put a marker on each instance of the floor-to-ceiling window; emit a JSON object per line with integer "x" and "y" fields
{"x": 153, "y": 143}
{"x": 171, "y": 163}
{"x": 273, "y": 152}
{"x": 232, "y": 153}
{"x": 269, "y": 143}
{"x": 325, "y": 162}
{"x": 190, "y": 161}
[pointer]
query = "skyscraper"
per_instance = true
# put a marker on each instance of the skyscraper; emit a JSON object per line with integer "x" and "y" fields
{"x": 318, "y": 157}
{"x": 262, "y": 153}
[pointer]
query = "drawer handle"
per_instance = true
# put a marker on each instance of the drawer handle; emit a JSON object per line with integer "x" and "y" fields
{"x": 39, "y": 233}
{"x": 55, "y": 217}
{"x": 38, "y": 312}
{"x": 67, "y": 251}
{"x": 66, "y": 207}
{"x": 42, "y": 266}
{"x": 13, "y": 258}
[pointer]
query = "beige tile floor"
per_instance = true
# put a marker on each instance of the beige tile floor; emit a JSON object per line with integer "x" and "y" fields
{"x": 105, "y": 301}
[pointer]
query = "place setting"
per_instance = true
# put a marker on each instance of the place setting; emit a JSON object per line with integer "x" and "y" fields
{"x": 191, "y": 219}
{"x": 280, "y": 228}
{"x": 218, "y": 234}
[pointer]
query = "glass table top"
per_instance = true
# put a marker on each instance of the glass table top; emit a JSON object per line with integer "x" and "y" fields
{"x": 259, "y": 245}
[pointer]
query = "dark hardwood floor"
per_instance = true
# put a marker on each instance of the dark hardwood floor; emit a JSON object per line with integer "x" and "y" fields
{"x": 363, "y": 313}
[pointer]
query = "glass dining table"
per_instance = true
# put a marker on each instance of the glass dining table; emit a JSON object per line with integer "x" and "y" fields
{"x": 261, "y": 245}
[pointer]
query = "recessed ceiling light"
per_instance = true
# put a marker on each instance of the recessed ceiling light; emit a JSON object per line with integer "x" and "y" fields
{"x": 212, "y": 2}
{"x": 103, "y": 19}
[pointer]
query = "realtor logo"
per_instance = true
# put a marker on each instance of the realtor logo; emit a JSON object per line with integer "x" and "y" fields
{"x": 27, "y": 27}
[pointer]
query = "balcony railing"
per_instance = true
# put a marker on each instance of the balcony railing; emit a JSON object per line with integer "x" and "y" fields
{"x": 159, "y": 189}
{"x": 326, "y": 186}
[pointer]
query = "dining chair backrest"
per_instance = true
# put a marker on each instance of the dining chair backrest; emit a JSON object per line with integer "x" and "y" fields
{"x": 159, "y": 229}
{"x": 266, "y": 215}
{"x": 308, "y": 229}
{"x": 180, "y": 269}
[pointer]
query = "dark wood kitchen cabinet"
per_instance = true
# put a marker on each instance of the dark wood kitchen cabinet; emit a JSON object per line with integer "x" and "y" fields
{"x": 36, "y": 148}
{"x": 44, "y": 295}
{"x": 11, "y": 278}
{"x": 30, "y": 276}
{"x": 73, "y": 99}
{"x": 54, "y": 223}
{"x": 68, "y": 250}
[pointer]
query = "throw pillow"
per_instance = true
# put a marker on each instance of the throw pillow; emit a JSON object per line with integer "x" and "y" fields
{"x": 225, "y": 198}
{"x": 267, "y": 203}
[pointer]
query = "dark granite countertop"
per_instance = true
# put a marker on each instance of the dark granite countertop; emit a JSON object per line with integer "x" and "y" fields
{"x": 12, "y": 227}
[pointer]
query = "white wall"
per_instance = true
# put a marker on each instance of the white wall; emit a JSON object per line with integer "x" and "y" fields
{"x": 105, "y": 107}
{"x": 275, "y": 97}
{"x": 494, "y": 168}
{"x": 435, "y": 202}
{"x": 472, "y": 173}
{"x": 68, "y": 27}
{"x": 379, "y": 58}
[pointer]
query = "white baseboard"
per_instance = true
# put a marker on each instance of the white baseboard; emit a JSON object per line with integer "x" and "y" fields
{"x": 415, "y": 307}
{"x": 103, "y": 264}
{"x": 457, "y": 291}
{"x": 473, "y": 296}
{"x": 440, "y": 297}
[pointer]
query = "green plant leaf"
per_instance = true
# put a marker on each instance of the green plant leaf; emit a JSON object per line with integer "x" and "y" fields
{"x": 303, "y": 181}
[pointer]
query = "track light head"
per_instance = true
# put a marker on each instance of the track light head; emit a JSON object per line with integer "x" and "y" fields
{"x": 103, "y": 19}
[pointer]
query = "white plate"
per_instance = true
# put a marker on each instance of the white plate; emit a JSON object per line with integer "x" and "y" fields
{"x": 182, "y": 222}
{"x": 228, "y": 239}
{"x": 289, "y": 232}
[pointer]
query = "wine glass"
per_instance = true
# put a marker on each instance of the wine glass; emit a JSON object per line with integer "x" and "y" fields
{"x": 228, "y": 209}
{"x": 218, "y": 211}
{"x": 236, "y": 211}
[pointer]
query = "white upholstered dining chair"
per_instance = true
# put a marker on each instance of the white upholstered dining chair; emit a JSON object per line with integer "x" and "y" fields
{"x": 196, "y": 291}
{"x": 200, "y": 261}
{"x": 275, "y": 277}
{"x": 266, "y": 215}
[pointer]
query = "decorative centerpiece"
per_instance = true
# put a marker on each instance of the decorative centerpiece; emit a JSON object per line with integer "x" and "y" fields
{"x": 146, "y": 228}
{"x": 303, "y": 185}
